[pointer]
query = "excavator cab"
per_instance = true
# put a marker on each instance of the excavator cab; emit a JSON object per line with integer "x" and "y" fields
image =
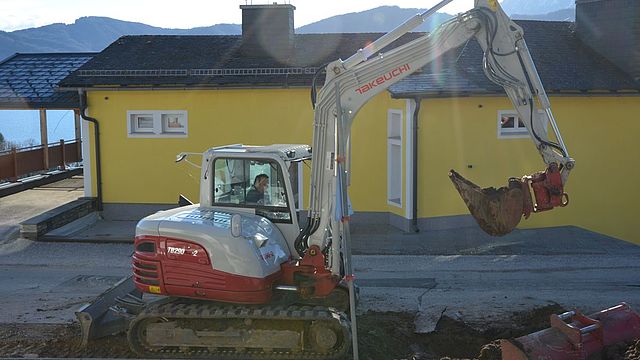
{"x": 264, "y": 180}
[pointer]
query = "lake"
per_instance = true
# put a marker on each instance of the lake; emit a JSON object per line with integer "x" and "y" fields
{"x": 23, "y": 126}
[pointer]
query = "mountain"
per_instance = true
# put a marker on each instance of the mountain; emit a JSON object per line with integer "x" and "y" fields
{"x": 91, "y": 33}
{"x": 533, "y": 7}
{"x": 568, "y": 14}
{"x": 380, "y": 19}
{"x": 95, "y": 33}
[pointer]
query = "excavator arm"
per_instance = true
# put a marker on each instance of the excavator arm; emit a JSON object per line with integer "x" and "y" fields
{"x": 351, "y": 83}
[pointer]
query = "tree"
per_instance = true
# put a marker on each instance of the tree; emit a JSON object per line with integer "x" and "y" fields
{"x": 1, "y": 141}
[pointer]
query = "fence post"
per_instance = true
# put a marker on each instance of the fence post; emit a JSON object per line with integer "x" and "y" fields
{"x": 44, "y": 139}
{"x": 64, "y": 160}
{"x": 14, "y": 155}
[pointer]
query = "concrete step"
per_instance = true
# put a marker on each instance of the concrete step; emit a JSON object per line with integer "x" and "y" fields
{"x": 37, "y": 226}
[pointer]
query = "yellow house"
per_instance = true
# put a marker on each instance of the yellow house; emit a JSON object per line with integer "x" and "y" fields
{"x": 156, "y": 96}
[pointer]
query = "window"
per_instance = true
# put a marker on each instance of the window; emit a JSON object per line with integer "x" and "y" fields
{"x": 510, "y": 126}
{"x": 394, "y": 157}
{"x": 173, "y": 123}
{"x": 252, "y": 183}
{"x": 162, "y": 123}
{"x": 143, "y": 123}
{"x": 295, "y": 178}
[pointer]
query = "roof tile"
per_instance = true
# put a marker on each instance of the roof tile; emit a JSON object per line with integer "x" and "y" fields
{"x": 31, "y": 80}
{"x": 563, "y": 62}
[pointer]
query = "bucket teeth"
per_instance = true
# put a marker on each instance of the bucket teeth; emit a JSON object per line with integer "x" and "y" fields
{"x": 497, "y": 211}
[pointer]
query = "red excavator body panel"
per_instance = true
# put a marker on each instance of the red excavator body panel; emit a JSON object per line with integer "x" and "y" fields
{"x": 190, "y": 274}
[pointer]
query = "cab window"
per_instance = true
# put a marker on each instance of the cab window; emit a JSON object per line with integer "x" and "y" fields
{"x": 254, "y": 183}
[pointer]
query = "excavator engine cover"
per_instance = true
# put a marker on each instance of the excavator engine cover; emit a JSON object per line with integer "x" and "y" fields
{"x": 497, "y": 211}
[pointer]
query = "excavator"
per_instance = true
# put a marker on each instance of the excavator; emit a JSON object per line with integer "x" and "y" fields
{"x": 237, "y": 276}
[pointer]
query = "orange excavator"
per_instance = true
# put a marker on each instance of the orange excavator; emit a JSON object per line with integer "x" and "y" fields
{"x": 237, "y": 277}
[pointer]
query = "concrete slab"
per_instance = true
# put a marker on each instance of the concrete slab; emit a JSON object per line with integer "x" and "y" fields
{"x": 92, "y": 228}
{"x": 27, "y": 204}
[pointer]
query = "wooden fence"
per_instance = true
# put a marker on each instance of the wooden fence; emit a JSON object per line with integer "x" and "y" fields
{"x": 16, "y": 163}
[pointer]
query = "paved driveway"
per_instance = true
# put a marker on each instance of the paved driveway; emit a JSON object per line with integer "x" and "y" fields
{"x": 479, "y": 278}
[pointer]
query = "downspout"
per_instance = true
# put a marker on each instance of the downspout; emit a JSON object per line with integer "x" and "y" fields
{"x": 414, "y": 134}
{"x": 96, "y": 134}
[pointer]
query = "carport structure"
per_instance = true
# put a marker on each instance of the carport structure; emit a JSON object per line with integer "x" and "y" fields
{"x": 30, "y": 82}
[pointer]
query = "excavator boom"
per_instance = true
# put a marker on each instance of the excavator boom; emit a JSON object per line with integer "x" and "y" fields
{"x": 507, "y": 62}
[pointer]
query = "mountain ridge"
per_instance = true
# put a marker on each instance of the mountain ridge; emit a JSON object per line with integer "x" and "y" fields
{"x": 94, "y": 33}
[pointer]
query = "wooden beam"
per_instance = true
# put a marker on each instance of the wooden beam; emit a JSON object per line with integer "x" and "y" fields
{"x": 44, "y": 139}
{"x": 78, "y": 123}
{"x": 76, "y": 114}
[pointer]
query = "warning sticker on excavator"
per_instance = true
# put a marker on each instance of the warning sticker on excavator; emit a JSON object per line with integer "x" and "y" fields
{"x": 493, "y": 4}
{"x": 154, "y": 289}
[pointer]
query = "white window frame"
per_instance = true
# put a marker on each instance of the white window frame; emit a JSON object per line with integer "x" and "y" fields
{"x": 160, "y": 129}
{"x": 136, "y": 125}
{"x": 394, "y": 141}
{"x": 517, "y": 132}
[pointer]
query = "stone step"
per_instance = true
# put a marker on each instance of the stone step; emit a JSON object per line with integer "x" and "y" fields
{"x": 37, "y": 226}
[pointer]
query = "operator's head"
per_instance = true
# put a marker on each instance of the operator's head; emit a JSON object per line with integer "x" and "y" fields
{"x": 260, "y": 183}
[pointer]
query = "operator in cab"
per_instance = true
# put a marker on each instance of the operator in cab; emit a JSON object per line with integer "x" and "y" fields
{"x": 255, "y": 195}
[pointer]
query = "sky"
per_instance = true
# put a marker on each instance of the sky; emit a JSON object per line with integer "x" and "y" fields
{"x": 185, "y": 14}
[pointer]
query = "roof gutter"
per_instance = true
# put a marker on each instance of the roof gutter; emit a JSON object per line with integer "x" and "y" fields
{"x": 96, "y": 133}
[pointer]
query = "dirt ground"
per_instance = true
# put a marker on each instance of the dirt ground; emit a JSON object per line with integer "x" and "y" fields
{"x": 382, "y": 336}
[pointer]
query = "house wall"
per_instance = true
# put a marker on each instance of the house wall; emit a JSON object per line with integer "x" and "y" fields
{"x": 453, "y": 133}
{"x": 143, "y": 171}
{"x": 599, "y": 132}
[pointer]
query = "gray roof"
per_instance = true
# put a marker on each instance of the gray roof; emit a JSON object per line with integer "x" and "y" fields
{"x": 564, "y": 63}
{"x": 212, "y": 61}
{"x": 30, "y": 81}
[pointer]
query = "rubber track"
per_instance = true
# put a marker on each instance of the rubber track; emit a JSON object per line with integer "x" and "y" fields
{"x": 171, "y": 311}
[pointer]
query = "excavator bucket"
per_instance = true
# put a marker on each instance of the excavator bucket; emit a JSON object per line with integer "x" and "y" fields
{"x": 573, "y": 336}
{"x": 497, "y": 211}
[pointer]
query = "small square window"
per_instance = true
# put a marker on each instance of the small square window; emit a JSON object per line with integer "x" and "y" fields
{"x": 510, "y": 126}
{"x": 509, "y": 122}
{"x": 143, "y": 123}
{"x": 174, "y": 123}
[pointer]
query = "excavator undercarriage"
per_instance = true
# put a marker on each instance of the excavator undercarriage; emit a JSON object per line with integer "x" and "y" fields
{"x": 289, "y": 327}
{"x": 198, "y": 329}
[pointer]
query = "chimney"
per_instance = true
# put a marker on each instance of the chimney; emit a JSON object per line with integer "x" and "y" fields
{"x": 267, "y": 30}
{"x": 612, "y": 28}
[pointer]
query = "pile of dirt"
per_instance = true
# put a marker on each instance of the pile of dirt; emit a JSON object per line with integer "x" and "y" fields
{"x": 382, "y": 336}
{"x": 386, "y": 336}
